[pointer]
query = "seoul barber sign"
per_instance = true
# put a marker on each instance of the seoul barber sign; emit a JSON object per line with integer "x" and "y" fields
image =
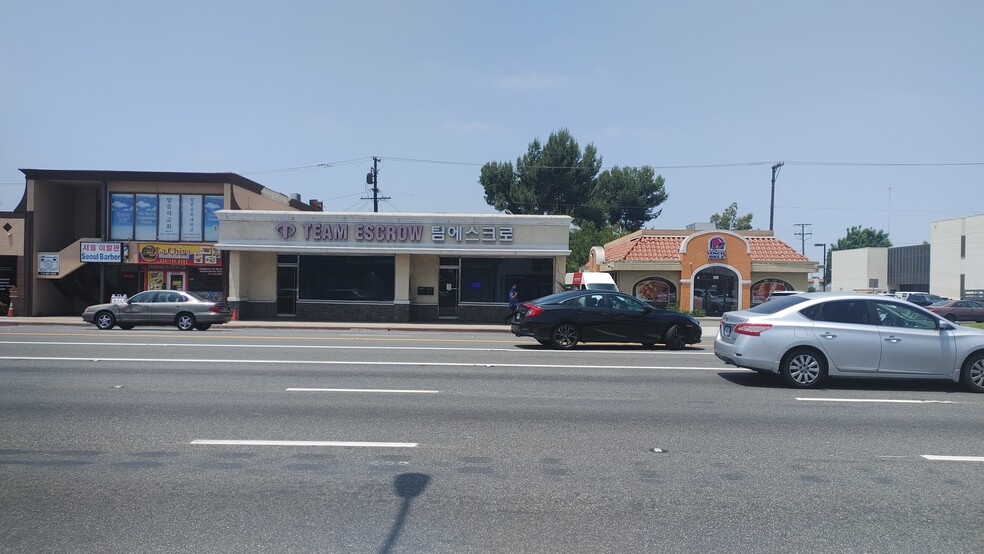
{"x": 101, "y": 252}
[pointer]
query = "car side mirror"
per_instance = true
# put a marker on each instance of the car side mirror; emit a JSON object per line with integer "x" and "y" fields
{"x": 947, "y": 326}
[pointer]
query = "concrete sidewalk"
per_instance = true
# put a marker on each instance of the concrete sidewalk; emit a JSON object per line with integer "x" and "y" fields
{"x": 446, "y": 325}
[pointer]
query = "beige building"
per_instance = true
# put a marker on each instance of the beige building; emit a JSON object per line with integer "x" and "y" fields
{"x": 79, "y": 237}
{"x": 389, "y": 267}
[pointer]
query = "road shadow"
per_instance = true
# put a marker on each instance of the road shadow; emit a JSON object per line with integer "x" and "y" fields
{"x": 407, "y": 486}
{"x": 752, "y": 379}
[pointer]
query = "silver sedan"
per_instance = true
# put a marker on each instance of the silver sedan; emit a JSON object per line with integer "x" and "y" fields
{"x": 807, "y": 337}
{"x": 186, "y": 310}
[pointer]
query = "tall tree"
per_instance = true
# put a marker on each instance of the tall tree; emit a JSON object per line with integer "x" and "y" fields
{"x": 558, "y": 178}
{"x": 586, "y": 236}
{"x": 728, "y": 219}
{"x": 856, "y": 237}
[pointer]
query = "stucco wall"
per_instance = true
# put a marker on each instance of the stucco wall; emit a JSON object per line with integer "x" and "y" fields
{"x": 946, "y": 264}
{"x": 851, "y": 269}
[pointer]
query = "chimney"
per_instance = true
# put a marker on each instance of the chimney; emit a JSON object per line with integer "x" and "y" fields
{"x": 315, "y": 203}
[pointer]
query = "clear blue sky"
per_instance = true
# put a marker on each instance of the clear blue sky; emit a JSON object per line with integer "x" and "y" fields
{"x": 272, "y": 90}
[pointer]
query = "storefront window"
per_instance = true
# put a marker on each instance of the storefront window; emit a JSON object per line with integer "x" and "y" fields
{"x": 355, "y": 278}
{"x": 489, "y": 279}
{"x": 656, "y": 291}
{"x": 761, "y": 290}
{"x": 165, "y": 217}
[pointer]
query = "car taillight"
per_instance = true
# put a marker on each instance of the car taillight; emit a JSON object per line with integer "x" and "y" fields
{"x": 532, "y": 311}
{"x": 752, "y": 329}
{"x": 216, "y": 308}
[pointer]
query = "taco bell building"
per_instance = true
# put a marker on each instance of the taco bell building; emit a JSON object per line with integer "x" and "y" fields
{"x": 388, "y": 267}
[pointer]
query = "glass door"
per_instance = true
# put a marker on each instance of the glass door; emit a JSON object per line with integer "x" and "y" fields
{"x": 286, "y": 290}
{"x": 447, "y": 294}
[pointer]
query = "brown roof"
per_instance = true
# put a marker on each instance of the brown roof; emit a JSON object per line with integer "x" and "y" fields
{"x": 664, "y": 247}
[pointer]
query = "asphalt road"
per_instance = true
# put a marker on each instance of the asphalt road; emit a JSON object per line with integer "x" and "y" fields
{"x": 245, "y": 440}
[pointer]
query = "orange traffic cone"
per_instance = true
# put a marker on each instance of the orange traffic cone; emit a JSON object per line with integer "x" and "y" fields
{"x": 10, "y": 310}
{"x": 235, "y": 315}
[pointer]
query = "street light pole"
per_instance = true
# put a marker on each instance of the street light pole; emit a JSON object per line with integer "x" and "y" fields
{"x": 823, "y": 274}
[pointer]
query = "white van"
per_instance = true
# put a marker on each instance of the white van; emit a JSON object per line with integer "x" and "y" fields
{"x": 589, "y": 280}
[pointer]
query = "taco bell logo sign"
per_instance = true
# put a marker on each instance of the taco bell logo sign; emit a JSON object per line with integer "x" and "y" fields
{"x": 286, "y": 230}
{"x": 716, "y": 249}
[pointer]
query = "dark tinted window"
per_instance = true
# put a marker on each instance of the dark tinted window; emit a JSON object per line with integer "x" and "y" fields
{"x": 368, "y": 278}
{"x": 845, "y": 311}
{"x": 891, "y": 314}
{"x": 777, "y": 304}
{"x": 812, "y": 312}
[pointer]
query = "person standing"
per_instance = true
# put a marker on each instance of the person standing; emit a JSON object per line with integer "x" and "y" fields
{"x": 513, "y": 302}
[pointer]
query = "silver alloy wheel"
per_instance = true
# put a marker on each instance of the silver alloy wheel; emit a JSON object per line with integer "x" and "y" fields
{"x": 185, "y": 322}
{"x": 105, "y": 320}
{"x": 804, "y": 369}
{"x": 975, "y": 374}
{"x": 565, "y": 336}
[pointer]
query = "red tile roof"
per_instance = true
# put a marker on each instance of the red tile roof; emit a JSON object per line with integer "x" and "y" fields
{"x": 644, "y": 247}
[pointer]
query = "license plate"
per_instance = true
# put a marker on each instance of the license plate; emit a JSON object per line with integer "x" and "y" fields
{"x": 726, "y": 331}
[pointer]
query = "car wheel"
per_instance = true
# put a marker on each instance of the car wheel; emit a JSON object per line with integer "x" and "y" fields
{"x": 803, "y": 368}
{"x": 675, "y": 338}
{"x": 126, "y": 326}
{"x": 973, "y": 372}
{"x": 952, "y": 318}
{"x": 185, "y": 322}
{"x": 105, "y": 321}
{"x": 203, "y": 326}
{"x": 565, "y": 336}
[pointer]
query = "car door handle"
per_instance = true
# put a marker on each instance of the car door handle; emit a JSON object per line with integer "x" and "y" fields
{"x": 828, "y": 335}
{"x": 893, "y": 339}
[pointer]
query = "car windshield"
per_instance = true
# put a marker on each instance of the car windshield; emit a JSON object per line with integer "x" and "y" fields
{"x": 940, "y": 303}
{"x": 778, "y": 304}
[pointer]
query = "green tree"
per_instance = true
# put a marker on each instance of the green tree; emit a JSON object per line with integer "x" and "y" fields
{"x": 728, "y": 219}
{"x": 558, "y": 178}
{"x": 586, "y": 236}
{"x": 856, "y": 237}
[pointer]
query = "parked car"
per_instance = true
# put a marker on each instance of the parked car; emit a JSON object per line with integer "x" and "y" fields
{"x": 959, "y": 310}
{"x": 781, "y": 293}
{"x": 923, "y": 299}
{"x": 186, "y": 310}
{"x": 807, "y": 337}
{"x": 567, "y": 318}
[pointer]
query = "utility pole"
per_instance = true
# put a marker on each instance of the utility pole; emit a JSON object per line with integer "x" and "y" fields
{"x": 373, "y": 179}
{"x": 772, "y": 204}
{"x": 803, "y": 234}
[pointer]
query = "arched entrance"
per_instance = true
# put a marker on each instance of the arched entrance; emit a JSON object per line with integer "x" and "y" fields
{"x": 715, "y": 290}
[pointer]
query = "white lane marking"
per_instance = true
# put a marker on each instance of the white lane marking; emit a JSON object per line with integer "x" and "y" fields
{"x": 224, "y": 442}
{"x": 407, "y": 391}
{"x": 954, "y": 458}
{"x": 877, "y": 400}
{"x": 353, "y": 347}
{"x": 354, "y": 362}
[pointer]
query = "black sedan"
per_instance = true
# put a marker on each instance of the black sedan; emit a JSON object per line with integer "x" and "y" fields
{"x": 564, "y": 319}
